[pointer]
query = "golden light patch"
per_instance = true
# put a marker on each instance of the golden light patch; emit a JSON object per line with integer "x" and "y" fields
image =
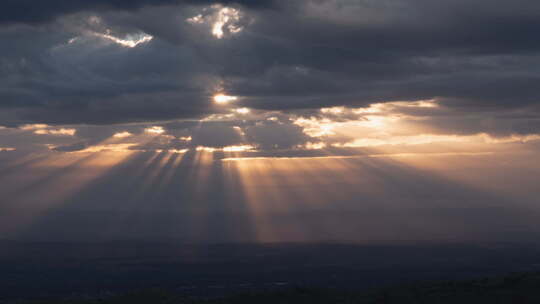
{"x": 333, "y": 110}
{"x": 107, "y": 148}
{"x": 205, "y": 149}
{"x": 239, "y": 148}
{"x": 242, "y": 111}
{"x": 316, "y": 127}
{"x": 223, "y": 99}
{"x": 226, "y": 18}
{"x": 33, "y": 127}
{"x": 156, "y": 130}
{"x": 313, "y": 146}
{"x": 122, "y": 134}
{"x": 62, "y": 131}
{"x": 177, "y": 151}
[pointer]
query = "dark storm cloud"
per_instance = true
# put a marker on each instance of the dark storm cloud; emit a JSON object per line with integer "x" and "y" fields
{"x": 33, "y": 12}
{"x": 471, "y": 56}
{"x": 273, "y": 135}
{"x": 71, "y": 147}
{"x": 216, "y": 135}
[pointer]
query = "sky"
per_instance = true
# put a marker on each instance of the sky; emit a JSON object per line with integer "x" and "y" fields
{"x": 270, "y": 120}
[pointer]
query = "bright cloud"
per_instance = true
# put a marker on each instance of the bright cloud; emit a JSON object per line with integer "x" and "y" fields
{"x": 227, "y": 19}
{"x": 220, "y": 98}
{"x": 222, "y": 20}
{"x": 122, "y": 134}
{"x": 156, "y": 130}
{"x": 242, "y": 111}
{"x": 131, "y": 40}
{"x": 61, "y": 131}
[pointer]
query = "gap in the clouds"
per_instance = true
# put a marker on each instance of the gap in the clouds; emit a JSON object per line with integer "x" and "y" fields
{"x": 223, "y": 21}
{"x": 389, "y": 127}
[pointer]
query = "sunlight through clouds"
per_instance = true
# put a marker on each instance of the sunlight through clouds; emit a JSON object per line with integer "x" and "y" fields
{"x": 130, "y": 40}
{"x": 224, "y": 99}
{"x": 222, "y": 20}
{"x": 242, "y": 110}
{"x": 240, "y": 148}
{"x": 157, "y": 130}
{"x": 96, "y": 27}
{"x": 122, "y": 134}
{"x": 61, "y": 131}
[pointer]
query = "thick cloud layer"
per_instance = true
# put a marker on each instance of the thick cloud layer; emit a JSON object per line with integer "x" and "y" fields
{"x": 28, "y": 11}
{"x": 109, "y": 62}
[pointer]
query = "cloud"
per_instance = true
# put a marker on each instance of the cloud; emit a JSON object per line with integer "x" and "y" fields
{"x": 28, "y": 11}
{"x": 95, "y": 63}
{"x": 275, "y": 135}
{"x": 61, "y": 131}
{"x": 387, "y": 127}
{"x": 70, "y": 147}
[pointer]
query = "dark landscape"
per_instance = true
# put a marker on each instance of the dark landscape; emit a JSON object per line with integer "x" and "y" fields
{"x": 75, "y": 272}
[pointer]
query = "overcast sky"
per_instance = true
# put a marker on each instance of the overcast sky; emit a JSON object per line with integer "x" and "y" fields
{"x": 418, "y": 97}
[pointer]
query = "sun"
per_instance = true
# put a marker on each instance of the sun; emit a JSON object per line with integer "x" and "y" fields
{"x": 220, "y": 98}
